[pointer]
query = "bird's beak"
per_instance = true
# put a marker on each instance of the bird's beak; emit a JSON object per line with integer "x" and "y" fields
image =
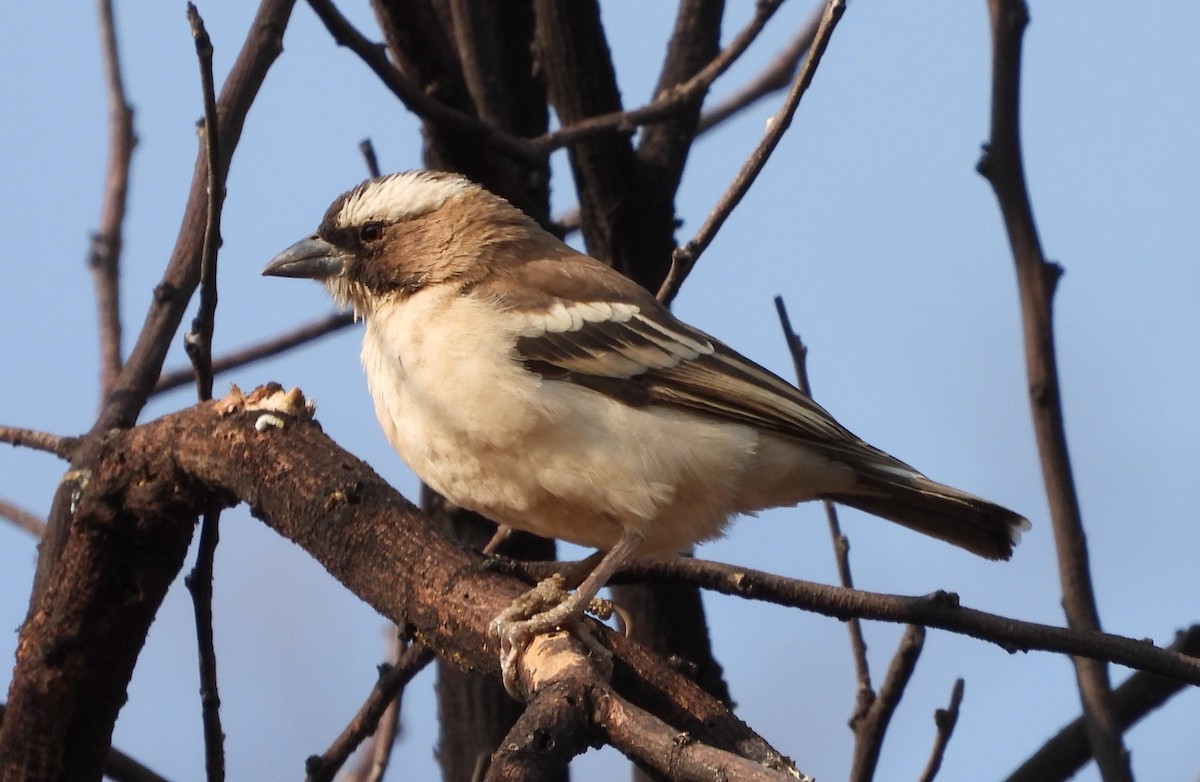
{"x": 312, "y": 258}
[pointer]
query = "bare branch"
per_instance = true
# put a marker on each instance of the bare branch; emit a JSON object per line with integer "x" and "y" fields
{"x": 30, "y": 522}
{"x": 1065, "y": 754}
{"x": 120, "y": 767}
{"x": 939, "y": 610}
{"x": 198, "y": 343}
{"x": 559, "y": 720}
{"x": 945, "y": 719}
{"x": 871, "y": 726}
{"x": 62, "y": 447}
{"x": 474, "y": 29}
{"x": 199, "y": 584}
{"x": 662, "y": 107}
{"x": 368, "y": 152}
{"x": 378, "y": 751}
{"x": 104, "y": 257}
{"x": 120, "y": 410}
{"x": 265, "y": 349}
{"x": 569, "y": 703}
{"x": 417, "y": 101}
{"x": 199, "y": 340}
{"x": 841, "y": 545}
{"x": 392, "y": 681}
{"x": 140, "y": 504}
{"x": 669, "y": 101}
{"x": 1002, "y": 165}
{"x": 776, "y": 76}
{"x": 674, "y": 754}
{"x": 685, "y": 257}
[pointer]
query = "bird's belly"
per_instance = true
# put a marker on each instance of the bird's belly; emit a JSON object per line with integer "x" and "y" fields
{"x": 565, "y": 462}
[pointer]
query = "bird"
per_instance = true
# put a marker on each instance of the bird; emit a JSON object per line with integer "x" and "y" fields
{"x": 537, "y": 386}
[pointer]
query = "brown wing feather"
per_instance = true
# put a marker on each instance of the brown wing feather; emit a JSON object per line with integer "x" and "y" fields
{"x": 646, "y": 356}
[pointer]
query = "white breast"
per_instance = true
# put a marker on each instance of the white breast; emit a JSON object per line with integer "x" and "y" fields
{"x": 550, "y": 457}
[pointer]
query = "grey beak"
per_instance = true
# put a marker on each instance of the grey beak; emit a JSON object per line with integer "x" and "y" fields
{"x": 312, "y": 258}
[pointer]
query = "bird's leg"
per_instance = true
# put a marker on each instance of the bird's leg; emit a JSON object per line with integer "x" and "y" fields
{"x": 497, "y": 540}
{"x": 548, "y": 607}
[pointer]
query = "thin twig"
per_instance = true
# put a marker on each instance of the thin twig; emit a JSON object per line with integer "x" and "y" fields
{"x": 198, "y": 342}
{"x": 265, "y": 349}
{"x": 30, "y": 522}
{"x": 1003, "y": 167}
{"x": 104, "y": 256}
{"x": 870, "y": 727}
{"x": 377, "y": 753}
{"x": 417, "y": 100}
{"x": 46, "y": 716}
{"x": 945, "y": 719}
{"x": 776, "y": 76}
{"x": 368, "y": 152}
{"x": 662, "y": 107}
{"x": 685, "y": 257}
{"x": 841, "y": 544}
{"x": 199, "y": 584}
{"x": 392, "y": 680}
{"x": 62, "y": 447}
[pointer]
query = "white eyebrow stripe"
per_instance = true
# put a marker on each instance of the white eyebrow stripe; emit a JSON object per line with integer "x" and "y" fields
{"x": 398, "y": 196}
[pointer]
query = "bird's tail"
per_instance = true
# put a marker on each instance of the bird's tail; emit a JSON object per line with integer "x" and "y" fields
{"x": 911, "y": 499}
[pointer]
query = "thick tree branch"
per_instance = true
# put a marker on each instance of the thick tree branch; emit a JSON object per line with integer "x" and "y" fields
{"x": 471, "y": 128}
{"x": 104, "y": 257}
{"x": 685, "y": 257}
{"x": 559, "y": 719}
{"x": 1003, "y": 167}
{"x": 120, "y": 767}
{"x": 132, "y": 523}
{"x": 671, "y": 97}
{"x": 474, "y": 27}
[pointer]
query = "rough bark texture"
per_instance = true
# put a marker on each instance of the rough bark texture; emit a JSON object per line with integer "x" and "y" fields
{"x": 135, "y": 518}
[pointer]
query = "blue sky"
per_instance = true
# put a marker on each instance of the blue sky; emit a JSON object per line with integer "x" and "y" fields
{"x": 869, "y": 220}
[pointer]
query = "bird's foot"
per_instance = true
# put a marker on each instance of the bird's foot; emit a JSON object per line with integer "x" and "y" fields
{"x": 544, "y": 609}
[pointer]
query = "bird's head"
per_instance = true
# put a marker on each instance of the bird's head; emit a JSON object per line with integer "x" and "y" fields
{"x": 394, "y": 235}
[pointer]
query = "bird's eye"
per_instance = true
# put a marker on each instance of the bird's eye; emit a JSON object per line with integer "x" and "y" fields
{"x": 371, "y": 232}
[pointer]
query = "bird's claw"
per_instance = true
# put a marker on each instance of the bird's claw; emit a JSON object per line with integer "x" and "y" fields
{"x": 544, "y": 609}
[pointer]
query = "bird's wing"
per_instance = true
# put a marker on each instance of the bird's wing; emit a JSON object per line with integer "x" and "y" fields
{"x": 627, "y": 346}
